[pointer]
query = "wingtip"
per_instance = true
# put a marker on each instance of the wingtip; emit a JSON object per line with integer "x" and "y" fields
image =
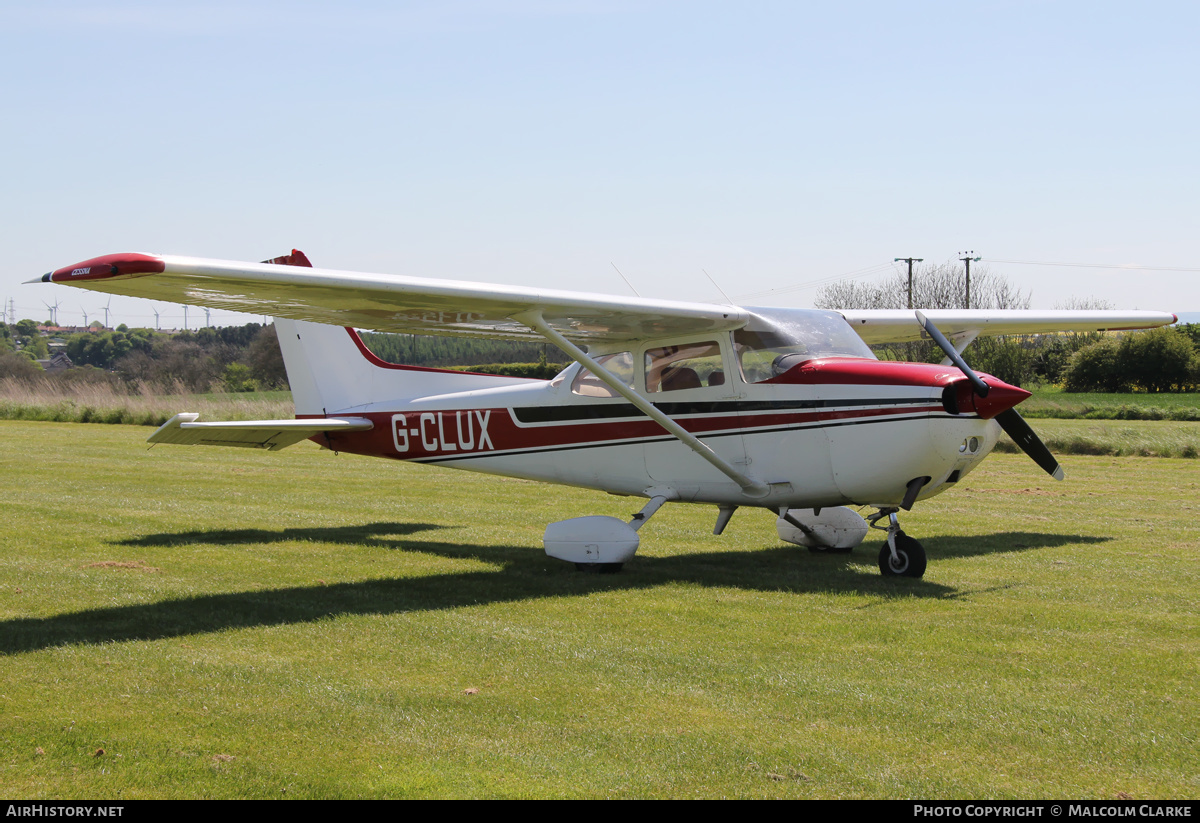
{"x": 1058, "y": 473}
{"x": 128, "y": 264}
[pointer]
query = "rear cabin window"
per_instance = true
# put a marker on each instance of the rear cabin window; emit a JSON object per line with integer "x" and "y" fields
{"x": 686, "y": 366}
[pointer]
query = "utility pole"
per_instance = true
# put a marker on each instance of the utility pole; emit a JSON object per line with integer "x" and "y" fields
{"x": 968, "y": 259}
{"x": 909, "y": 260}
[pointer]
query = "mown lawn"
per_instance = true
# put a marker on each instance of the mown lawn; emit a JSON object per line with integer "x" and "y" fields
{"x": 1116, "y": 438}
{"x": 223, "y": 623}
{"x": 1054, "y": 402}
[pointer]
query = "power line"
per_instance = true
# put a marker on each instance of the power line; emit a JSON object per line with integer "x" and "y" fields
{"x": 852, "y": 275}
{"x": 1119, "y": 266}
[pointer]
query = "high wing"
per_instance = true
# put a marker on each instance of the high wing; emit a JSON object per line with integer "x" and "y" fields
{"x": 391, "y": 303}
{"x": 400, "y": 303}
{"x": 900, "y": 326}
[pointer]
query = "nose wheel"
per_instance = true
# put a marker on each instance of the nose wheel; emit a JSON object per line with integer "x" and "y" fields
{"x": 901, "y": 555}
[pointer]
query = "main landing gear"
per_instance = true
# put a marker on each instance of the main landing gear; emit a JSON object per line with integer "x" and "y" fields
{"x": 901, "y": 555}
{"x": 601, "y": 544}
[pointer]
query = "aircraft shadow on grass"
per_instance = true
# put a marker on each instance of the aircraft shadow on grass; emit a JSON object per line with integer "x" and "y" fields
{"x": 527, "y": 574}
{"x": 367, "y": 534}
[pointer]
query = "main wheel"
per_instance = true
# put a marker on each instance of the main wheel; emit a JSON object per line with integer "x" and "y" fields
{"x": 910, "y": 558}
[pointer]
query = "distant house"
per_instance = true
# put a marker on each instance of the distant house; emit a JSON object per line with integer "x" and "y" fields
{"x": 58, "y": 362}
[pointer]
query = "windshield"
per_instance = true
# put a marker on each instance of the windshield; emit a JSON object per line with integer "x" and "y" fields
{"x": 775, "y": 340}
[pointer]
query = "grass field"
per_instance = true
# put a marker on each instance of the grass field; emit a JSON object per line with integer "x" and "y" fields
{"x": 224, "y": 623}
{"x": 1048, "y": 401}
{"x": 1115, "y": 438}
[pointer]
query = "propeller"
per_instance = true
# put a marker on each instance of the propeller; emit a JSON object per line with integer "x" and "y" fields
{"x": 1009, "y": 419}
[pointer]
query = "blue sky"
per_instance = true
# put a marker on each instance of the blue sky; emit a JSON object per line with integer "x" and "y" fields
{"x": 772, "y": 144}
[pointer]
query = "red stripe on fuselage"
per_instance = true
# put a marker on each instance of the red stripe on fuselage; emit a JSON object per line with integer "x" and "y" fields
{"x": 421, "y": 435}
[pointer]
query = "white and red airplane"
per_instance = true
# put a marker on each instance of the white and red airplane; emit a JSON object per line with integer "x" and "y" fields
{"x": 782, "y": 409}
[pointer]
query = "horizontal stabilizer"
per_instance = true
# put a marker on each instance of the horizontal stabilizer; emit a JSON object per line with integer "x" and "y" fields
{"x": 273, "y": 435}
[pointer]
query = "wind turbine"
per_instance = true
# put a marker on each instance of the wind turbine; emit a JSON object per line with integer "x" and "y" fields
{"x": 85, "y": 322}
{"x": 106, "y": 305}
{"x": 53, "y": 312}
{"x": 157, "y": 327}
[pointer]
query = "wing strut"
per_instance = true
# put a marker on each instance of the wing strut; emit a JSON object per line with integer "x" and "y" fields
{"x": 960, "y": 342}
{"x": 533, "y": 319}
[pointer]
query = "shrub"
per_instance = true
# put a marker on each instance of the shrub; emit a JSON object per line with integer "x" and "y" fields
{"x": 1095, "y": 368}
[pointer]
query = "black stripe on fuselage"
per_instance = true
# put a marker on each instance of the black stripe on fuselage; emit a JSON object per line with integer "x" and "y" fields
{"x": 608, "y": 411}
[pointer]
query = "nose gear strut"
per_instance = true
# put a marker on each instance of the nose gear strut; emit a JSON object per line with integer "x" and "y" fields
{"x": 901, "y": 555}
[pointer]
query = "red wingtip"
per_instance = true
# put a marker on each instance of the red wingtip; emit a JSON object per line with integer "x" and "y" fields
{"x": 110, "y": 265}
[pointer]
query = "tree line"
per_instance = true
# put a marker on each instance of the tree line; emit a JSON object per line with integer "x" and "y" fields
{"x": 235, "y": 358}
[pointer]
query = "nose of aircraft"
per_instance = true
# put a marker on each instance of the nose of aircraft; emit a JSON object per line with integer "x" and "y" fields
{"x": 1000, "y": 397}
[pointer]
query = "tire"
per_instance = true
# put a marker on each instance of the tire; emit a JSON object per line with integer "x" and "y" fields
{"x": 911, "y": 554}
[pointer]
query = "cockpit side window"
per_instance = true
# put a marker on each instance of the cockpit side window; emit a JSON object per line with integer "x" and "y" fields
{"x": 684, "y": 366}
{"x": 768, "y": 352}
{"x": 588, "y": 385}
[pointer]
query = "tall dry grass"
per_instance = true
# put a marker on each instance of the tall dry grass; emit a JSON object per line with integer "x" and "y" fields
{"x": 43, "y": 399}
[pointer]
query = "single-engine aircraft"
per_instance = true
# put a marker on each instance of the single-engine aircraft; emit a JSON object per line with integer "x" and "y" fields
{"x": 781, "y": 409}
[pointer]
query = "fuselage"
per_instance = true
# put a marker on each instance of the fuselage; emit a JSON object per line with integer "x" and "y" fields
{"x": 826, "y": 432}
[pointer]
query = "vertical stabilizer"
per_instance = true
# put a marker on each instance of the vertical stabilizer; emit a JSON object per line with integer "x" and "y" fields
{"x": 324, "y": 367}
{"x": 331, "y": 371}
